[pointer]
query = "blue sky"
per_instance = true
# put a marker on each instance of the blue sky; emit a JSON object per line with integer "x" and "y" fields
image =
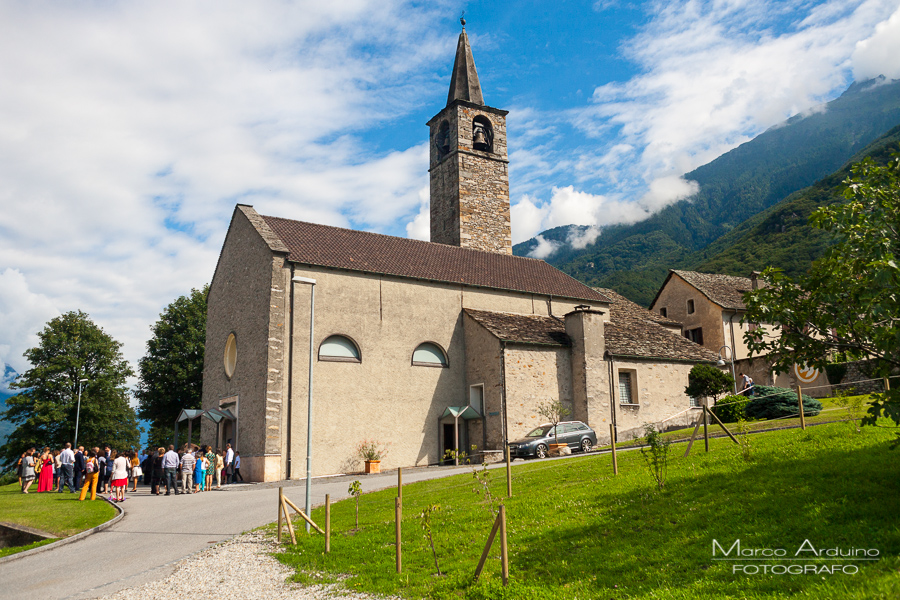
{"x": 128, "y": 131}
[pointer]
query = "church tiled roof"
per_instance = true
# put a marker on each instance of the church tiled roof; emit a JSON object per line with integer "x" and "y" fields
{"x": 326, "y": 246}
{"x": 522, "y": 329}
{"x": 632, "y": 332}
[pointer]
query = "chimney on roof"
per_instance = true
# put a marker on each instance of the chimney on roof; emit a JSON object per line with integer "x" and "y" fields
{"x": 754, "y": 279}
{"x": 585, "y": 329}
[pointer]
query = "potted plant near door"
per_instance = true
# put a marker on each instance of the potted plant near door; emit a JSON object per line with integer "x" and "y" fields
{"x": 554, "y": 412}
{"x": 371, "y": 452}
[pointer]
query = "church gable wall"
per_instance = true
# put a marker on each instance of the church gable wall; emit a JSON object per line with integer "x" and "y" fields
{"x": 658, "y": 392}
{"x": 707, "y": 314}
{"x": 483, "y": 368}
{"x": 246, "y": 298}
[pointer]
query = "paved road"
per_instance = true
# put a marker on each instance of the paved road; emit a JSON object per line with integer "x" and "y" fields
{"x": 158, "y": 531}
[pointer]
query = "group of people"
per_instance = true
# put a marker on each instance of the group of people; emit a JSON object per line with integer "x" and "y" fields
{"x": 195, "y": 467}
{"x": 106, "y": 469}
{"x": 111, "y": 471}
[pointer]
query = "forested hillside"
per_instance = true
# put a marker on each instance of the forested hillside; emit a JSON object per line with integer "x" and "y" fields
{"x": 741, "y": 184}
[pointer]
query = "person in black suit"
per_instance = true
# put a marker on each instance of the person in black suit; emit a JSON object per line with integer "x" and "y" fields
{"x": 79, "y": 467}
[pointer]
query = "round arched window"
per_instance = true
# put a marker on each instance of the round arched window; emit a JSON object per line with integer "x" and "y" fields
{"x": 429, "y": 355}
{"x": 339, "y": 349}
{"x": 230, "y": 355}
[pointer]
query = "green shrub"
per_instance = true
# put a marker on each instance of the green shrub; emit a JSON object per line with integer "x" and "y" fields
{"x": 774, "y": 402}
{"x": 730, "y": 409}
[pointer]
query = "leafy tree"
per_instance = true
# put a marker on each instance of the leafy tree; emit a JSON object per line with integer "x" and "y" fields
{"x": 72, "y": 348}
{"x": 554, "y": 411}
{"x": 171, "y": 373}
{"x": 847, "y": 301}
{"x": 706, "y": 381}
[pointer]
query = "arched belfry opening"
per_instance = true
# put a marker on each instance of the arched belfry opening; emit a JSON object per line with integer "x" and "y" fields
{"x": 468, "y": 166}
{"x": 482, "y": 134}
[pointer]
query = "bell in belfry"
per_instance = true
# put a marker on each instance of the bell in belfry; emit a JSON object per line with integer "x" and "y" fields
{"x": 479, "y": 139}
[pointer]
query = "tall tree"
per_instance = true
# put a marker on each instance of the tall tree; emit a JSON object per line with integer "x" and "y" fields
{"x": 72, "y": 348}
{"x": 171, "y": 373}
{"x": 848, "y": 301}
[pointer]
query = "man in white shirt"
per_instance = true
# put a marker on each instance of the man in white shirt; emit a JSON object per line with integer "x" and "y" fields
{"x": 170, "y": 468}
{"x": 229, "y": 464}
{"x": 67, "y": 469}
{"x": 187, "y": 471}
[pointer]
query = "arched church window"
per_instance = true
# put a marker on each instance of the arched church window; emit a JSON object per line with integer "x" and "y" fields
{"x": 429, "y": 354}
{"x": 482, "y": 134}
{"x": 230, "y": 355}
{"x": 338, "y": 348}
{"x": 442, "y": 141}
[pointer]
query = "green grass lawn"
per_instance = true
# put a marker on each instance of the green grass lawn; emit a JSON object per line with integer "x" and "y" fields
{"x": 60, "y": 514}
{"x": 578, "y": 531}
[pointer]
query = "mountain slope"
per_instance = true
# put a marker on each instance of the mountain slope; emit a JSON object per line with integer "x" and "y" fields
{"x": 736, "y": 186}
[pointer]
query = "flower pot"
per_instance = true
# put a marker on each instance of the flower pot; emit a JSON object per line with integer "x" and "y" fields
{"x": 373, "y": 466}
{"x": 557, "y": 449}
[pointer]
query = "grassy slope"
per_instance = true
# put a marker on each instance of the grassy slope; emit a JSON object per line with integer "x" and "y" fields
{"x": 577, "y": 531}
{"x": 60, "y": 514}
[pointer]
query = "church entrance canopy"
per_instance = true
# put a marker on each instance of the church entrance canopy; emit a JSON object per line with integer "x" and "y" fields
{"x": 450, "y": 435}
{"x": 216, "y": 415}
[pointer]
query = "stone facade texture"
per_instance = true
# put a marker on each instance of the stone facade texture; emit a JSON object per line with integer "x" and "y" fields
{"x": 469, "y": 187}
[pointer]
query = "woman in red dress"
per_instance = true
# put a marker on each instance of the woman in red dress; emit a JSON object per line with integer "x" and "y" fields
{"x": 45, "y": 480}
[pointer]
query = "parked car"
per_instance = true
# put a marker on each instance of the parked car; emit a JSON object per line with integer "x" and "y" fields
{"x": 575, "y": 434}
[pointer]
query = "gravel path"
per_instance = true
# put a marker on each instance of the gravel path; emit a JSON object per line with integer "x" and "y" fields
{"x": 239, "y": 569}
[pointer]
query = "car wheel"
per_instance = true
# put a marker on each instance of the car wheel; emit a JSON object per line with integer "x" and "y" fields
{"x": 586, "y": 445}
{"x": 541, "y": 451}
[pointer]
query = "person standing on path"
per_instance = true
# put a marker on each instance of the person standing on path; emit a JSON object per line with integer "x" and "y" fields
{"x": 219, "y": 466}
{"x": 91, "y": 475}
{"x": 237, "y": 467}
{"x": 229, "y": 464}
{"x": 158, "y": 473}
{"x": 120, "y": 477}
{"x": 187, "y": 471}
{"x": 27, "y": 470}
{"x": 136, "y": 470}
{"x": 79, "y": 467}
{"x": 210, "y": 467}
{"x": 67, "y": 469}
{"x": 170, "y": 468}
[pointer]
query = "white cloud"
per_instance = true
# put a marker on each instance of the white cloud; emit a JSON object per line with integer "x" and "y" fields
{"x": 22, "y": 314}
{"x": 880, "y": 53}
{"x": 544, "y": 248}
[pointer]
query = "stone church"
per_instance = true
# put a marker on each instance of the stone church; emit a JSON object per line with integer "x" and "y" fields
{"x": 423, "y": 346}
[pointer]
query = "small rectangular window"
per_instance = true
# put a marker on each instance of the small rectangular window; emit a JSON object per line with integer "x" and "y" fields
{"x": 664, "y": 313}
{"x": 690, "y": 311}
{"x": 626, "y": 395}
{"x": 476, "y": 397}
{"x": 695, "y": 403}
{"x": 695, "y": 335}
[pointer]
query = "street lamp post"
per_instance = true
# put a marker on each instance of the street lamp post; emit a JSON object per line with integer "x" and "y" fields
{"x": 721, "y": 363}
{"x": 309, "y": 402}
{"x": 78, "y": 411}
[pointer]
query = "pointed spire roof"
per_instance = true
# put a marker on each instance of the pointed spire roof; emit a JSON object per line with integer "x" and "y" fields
{"x": 464, "y": 81}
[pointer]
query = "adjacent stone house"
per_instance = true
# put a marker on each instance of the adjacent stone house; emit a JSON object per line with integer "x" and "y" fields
{"x": 426, "y": 346}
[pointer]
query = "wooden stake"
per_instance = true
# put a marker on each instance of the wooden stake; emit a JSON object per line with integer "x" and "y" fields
{"x": 612, "y": 442}
{"x": 508, "y": 474}
{"x": 722, "y": 425}
{"x": 327, "y": 523}
{"x": 280, "y": 504}
{"x": 705, "y": 428}
{"x": 693, "y": 437}
{"x": 398, "y": 515}
{"x": 487, "y": 547}
{"x": 287, "y": 518}
{"x": 800, "y": 402}
{"x": 887, "y": 384}
{"x": 302, "y": 514}
{"x": 504, "y": 555}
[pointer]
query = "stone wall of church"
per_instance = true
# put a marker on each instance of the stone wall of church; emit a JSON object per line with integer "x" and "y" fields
{"x": 246, "y": 299}
{"x": 657, "y": 397}
{"x": 535, "y": 374}
{"x": 483, "y": 368}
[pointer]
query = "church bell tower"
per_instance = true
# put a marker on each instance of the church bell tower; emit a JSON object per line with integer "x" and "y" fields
{"x": 468, "y": 164}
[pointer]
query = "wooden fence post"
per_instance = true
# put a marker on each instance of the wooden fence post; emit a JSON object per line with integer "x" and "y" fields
{"x": 327, "y": 523}
{"x": 693, "y": 437}
{"x": 887, "y": 384}
{"x": 508, "y": 474}
{"x": 802, "y": 412}
{"x": 398, "y": 516}
{"x": 722, "y": 425}
{"x": 612, "y": 442}
{"x": 504, "y": 554}
{"x": 487, "y": 547}
{"x": 705, "y": 427}
{"x": 280, "y": 504}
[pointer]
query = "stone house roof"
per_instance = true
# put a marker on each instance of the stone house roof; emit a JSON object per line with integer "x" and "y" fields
{"x": 725, "y": 290}
{"x": 335, "y": 247}
{"x": 632, "y": 332}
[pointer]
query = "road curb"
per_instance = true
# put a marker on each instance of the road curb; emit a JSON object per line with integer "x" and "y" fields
{"x": 71, "y": 538}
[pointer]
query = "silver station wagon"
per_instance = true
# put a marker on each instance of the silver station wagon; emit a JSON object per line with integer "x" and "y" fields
{"x": 575, "y": 434}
